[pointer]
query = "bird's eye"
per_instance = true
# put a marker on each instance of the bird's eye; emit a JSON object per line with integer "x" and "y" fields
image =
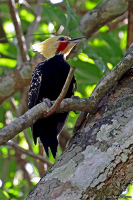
{"x": 61, "y": 39}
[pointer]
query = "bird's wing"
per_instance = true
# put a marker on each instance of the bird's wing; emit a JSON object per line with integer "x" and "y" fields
{"x": 35, "y": 86}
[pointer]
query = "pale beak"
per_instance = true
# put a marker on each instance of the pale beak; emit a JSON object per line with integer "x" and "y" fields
{"x": 76, "y": 40}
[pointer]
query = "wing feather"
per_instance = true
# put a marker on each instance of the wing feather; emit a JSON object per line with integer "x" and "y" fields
{"x": 35, "y": 86}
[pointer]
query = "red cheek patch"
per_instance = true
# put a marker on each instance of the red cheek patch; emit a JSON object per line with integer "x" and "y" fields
{"x": 62, "y": 46}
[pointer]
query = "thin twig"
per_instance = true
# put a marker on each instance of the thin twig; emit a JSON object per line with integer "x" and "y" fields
{"x": 21, "y": 162}
{"x": 28, "y": 152}
{"x": 17, "y": 24}
{"x": 63, "y": 92}
{"x": 130, "y": 28}
{"x": 16, "y": 36}
{"x": 2, "y": 32}
{"x": 117, "y": 23}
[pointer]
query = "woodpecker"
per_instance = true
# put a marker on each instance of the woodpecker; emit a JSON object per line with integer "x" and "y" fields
{"x": 47, "y": 82}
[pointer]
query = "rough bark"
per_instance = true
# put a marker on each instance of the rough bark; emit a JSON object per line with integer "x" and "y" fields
{"x": 102, "y": 14}
{"x": 99, "y": 161}
{"x": 105, "y": 12}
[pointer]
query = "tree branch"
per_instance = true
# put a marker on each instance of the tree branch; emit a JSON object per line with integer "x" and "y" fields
{"x": 2, "y": 32}
{"x": 101, "y": 15}
{"x": 88, "y": 105}
{"x": 18, "y": 78}
{"x": 28, "y": 152}
{"x": 118, "y": 23}
{"x": 130, "y": 28}
{"x": 17, "y": 24}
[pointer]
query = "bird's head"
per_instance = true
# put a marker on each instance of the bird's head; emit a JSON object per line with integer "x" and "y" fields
{"x": 56, "y": 45}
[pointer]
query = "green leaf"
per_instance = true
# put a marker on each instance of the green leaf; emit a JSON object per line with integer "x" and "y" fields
{"x": 4, "y": 195}
{"x": 86, "y": 73}
{"x": 68, "y": 14}
{"x": 92, "y": 3}
{"x": 75, "y": 33}
{"x": 95, "y": 57}
{"x": 8, "y": 50}
{"x": 109, "y": 38}
{"x": 25, "y": 15}
{"x": 6, "y": 62}
{"x": 57, "y": 12}
{"x": 72, "y": 18}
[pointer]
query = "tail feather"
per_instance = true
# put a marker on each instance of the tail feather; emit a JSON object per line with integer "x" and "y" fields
{"x": 35, "y": 135}
{"x": 49, "y": 139}
{"x": 48, "y": 129}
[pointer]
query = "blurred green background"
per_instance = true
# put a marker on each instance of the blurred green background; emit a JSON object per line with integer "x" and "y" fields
{"x": 18, "y": 171}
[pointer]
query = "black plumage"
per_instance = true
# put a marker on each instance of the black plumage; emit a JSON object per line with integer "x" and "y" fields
{"x": 47, "y": 82}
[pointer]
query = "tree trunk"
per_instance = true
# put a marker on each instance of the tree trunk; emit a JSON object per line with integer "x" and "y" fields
{"x": 98, "y": 162}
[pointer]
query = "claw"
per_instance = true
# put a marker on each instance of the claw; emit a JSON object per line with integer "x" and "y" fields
{"x": 48, "y": 102}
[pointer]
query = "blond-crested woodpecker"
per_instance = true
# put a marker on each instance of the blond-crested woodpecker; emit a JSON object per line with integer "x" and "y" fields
{"x": 47, "y": 82}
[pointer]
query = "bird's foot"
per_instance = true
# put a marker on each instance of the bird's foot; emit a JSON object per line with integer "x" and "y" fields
{"x": 48, "y": 102}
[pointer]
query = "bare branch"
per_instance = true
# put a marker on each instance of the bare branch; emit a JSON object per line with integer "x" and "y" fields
{"x": 16, "y": 36}
{"x": 88, "y": 105}
{"x": 17, "y": 24}
{"x": 21, "y": 162}
{"x": 2, "y": 32}
{"x": 119, "y": 22}
{"x": 30, "y": 153}
{"x": 130, "y": 28}
{"x": 101, "y": 15}
{"x": 63, "y": 92}
{"x": 98, "y": 17}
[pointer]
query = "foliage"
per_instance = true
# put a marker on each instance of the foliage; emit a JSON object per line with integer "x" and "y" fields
{"x": 98, "y": 55}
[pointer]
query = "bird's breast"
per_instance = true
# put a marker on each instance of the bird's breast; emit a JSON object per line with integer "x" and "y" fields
{"x": 53, "y": 80}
